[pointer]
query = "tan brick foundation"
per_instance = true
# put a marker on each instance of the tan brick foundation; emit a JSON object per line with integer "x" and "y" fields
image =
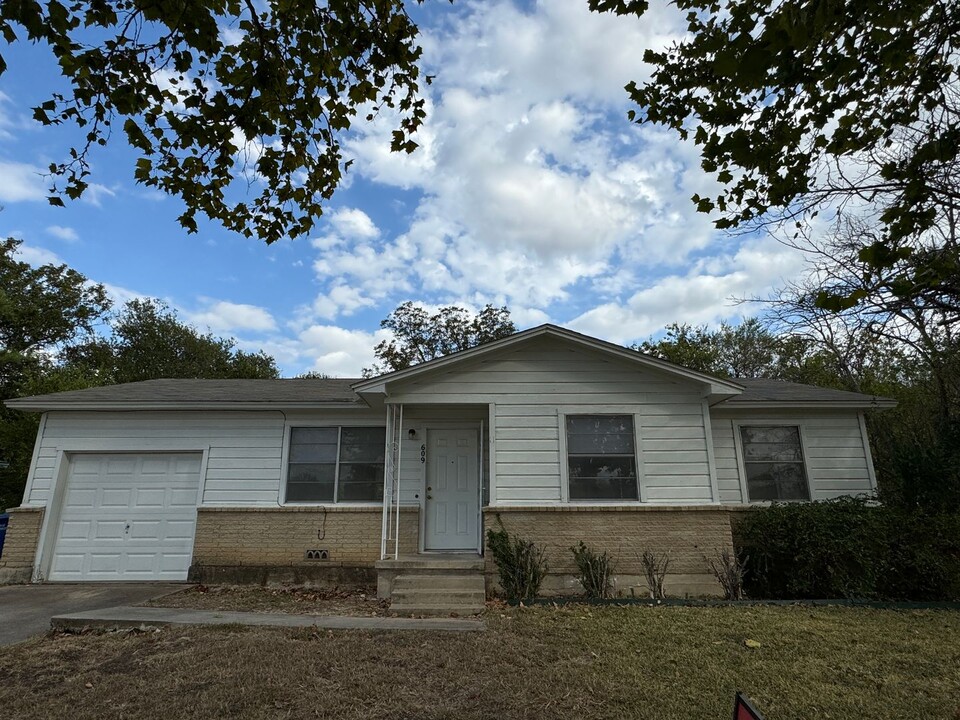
{"x": 269, "y": 545}
{"x": 20, "y": 545}
{"x": 688, "y": 534}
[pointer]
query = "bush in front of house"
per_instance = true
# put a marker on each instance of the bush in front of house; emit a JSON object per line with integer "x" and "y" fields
{"x": 521, "y": 564}
{"x": 595, "y": 570}
{"x": 849, "y": 548}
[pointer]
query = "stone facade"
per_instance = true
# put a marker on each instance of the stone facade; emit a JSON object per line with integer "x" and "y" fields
{"x": 687, "y": 534}
{"x": 266, "y": 545}
{"x": 20, "y": 545}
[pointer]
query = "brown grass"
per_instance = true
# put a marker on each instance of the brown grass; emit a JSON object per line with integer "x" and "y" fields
{"x": 295, "y": 600}
{"x": 543, "y": 663}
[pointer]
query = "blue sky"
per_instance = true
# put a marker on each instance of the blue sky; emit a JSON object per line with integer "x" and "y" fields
{"x": 530, "y": 189}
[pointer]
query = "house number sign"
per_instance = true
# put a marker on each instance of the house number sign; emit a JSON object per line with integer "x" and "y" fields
{"x": 423, "y": 453}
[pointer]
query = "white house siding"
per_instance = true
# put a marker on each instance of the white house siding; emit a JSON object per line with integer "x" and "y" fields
{"x": 534, "y": 385}
{"x": 835, "y": 451}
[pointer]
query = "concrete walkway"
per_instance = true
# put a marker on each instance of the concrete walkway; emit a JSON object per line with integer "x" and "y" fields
{"x": 26, "y": 610}
{"x": 126, "y": 616}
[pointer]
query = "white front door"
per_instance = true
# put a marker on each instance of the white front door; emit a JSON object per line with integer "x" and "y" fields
{"x": 127, "y": 517}
{"x": 452, "y": 503}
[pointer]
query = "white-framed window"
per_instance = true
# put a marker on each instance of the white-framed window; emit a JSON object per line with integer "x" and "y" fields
{"x": 335, "y": 464}
{"x": 773, "y": 463}
{"x": 601, "y": 457}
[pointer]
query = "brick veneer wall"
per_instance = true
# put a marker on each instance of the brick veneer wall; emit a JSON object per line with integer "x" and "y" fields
{"x": 270, "y": 544}
{"x": 688, "y": 534}
{"x": 20, "y": 545}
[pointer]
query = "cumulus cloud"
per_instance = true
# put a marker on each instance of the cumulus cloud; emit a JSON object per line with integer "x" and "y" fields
{"x": 338, "y": 351}
{"x": 224, "y": 316}
{"x": 21, "y": 182}
{"x": 67, "y": 234}
{"x": 35, "y": 255}
{"x": 533, "y": 185}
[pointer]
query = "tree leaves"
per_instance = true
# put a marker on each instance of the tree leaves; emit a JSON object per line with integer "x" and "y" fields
{"x": 290, "y": 86}
{"x": 420, "y": 336}
{"x": 805, "y": 104}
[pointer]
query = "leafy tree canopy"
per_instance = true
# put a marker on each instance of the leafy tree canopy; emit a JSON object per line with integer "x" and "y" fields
{"x": 420, "y": 336}
{"x": 210, "y": 92}
{"x": 40, "y": 308}
{"x": 149, "y": 341}
{"x": 805, "y": 104}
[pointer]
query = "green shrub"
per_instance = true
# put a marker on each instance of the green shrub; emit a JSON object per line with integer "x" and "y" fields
{"x": 849, "y": 548}
{"x": 521, "y": 564}
{"x": 596, "y": 571}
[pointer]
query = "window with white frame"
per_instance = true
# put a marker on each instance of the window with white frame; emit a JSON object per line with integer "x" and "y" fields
{"x": 601, "y": 458}
{"x": 773, "y": 463}
{"x": 336, "y": 464}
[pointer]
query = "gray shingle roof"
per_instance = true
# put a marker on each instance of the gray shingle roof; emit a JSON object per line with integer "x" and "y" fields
{"x": 783, "y": 391}
{"x": 339, "y": 391}
{"x": 177, "y": 392}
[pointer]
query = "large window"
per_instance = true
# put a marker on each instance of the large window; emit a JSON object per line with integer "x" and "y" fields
{"x": 601, "y": 457}
{"x": 773, "y": 463}
{"x": 336, "y": 464}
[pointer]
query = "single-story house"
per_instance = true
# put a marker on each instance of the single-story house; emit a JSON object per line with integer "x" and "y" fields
{"x": 551, "y": 434}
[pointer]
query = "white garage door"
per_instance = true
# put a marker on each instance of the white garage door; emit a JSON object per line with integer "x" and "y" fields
{"x": 127, "y": 517}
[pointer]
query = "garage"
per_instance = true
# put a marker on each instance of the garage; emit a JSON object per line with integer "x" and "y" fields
{"x": 127, "y": 516}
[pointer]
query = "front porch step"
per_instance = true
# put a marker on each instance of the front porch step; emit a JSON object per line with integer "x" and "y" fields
{"x": 432, "y": 585}
{"x": 432, "y": 564}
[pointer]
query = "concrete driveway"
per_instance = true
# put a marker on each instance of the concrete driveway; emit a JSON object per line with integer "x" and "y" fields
{"x": 26, "y": 610}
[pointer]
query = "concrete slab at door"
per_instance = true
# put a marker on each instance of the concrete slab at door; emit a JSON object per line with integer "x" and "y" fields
{"x": 452, "y": 503}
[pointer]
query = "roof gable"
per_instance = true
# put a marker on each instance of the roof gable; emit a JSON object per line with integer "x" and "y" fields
{"x": 717, "y": 387}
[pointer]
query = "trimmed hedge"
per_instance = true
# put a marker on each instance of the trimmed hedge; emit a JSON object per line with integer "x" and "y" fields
{"x": 849, "y": 548}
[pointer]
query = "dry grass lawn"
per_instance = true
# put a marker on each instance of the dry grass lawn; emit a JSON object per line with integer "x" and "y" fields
{"x": 543, "y": 663}
{"x": 296, "y": 600}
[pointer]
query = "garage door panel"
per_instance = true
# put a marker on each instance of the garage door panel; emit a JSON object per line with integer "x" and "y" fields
{"x": 134, "y": 518}
{"x": 115, "y": 498}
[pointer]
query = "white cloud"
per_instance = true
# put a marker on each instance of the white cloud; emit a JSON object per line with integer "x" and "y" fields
{"x": 67, "y": 234}
{"x": 96, "y": 193}
{"x": 338, "y": 351}
{"x": 37, "y": 255}
{"x": 532, "y": 179}
{"x": 222, "y": 316}
{"x": 353, "y": 224}
{"x": 21, "y": 182}
{"x": 706, "y": 294}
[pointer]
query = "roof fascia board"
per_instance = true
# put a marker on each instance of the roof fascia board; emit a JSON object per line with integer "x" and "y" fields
{"x": 717, "y": 385}
{"x": 806, "y": 405}
{"x": 128, "y": 406}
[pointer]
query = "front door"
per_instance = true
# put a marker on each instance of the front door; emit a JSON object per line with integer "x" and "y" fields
{"x": 452, "y": 503}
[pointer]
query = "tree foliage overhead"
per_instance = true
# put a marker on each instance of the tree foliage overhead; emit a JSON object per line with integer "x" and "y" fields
{"x": 215, "y": 93}
{"x": 805, "y": 104}
{"x": 419, "y": 336}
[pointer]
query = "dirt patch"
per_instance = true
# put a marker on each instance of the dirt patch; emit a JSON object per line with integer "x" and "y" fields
{"x": 294, "y": 600}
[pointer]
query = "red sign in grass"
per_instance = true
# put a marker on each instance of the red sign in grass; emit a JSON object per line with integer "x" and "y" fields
{"x": 743, "y": 709}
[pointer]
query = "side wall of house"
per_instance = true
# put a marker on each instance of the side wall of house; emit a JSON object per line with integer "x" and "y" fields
{"x": 533, "y": 387}
{"x": 836, "y": 450}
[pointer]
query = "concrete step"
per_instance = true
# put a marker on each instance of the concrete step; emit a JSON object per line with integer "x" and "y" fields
{"x": 438, "y": 598}
{"x": 473, "y": 582}
{"x": 435, "y": 610}
{"x": 433, "y": 564}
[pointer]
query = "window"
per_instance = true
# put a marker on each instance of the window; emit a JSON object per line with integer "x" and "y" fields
{"x": 773, "y": 463}
{"x": 336, "y": 464}
{"x": 601, "y": 457}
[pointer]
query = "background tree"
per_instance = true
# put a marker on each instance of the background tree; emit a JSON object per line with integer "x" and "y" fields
{"x": 41, "y": 310}
{"x": 149, "y": 341}
{"x": 210, "y": 92}
{"x": 419, "y": 336}
{"x": 803, "y": 105}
